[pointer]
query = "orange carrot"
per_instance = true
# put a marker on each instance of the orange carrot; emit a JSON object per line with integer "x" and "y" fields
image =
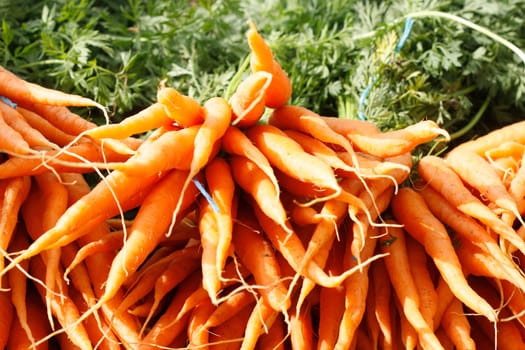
{"x": 391, "y": 143}
{"x": 6, "y": 320}
{"x": 410, "y": 209}
{"x": 217, "y": 118}
{"x": 457, "y": 326}
{"x": 15, "y": 191}
{"x": 50, "y": 132}
{"x": 382, "y": 290}
{"x": 288, "y": 156}
{"x": 301, "y": 328}
{"x": 260, "y": 320}
{"x": 345, "y": 126}
{"x": 152, "y": 117}
{"x": 398, "y": 267}
{"x": 198, "y": 336}
{"x": 275, "y": 338}
{"x": 478, "y": 173}
{"x": 234, "y": 141}
{"x": 262, "y": 59}
{"x": 435, "y": 170}
{"x": 257, "y": 184}
{"x": 304, "y": 120}
{"x": 228, "y": 335}
{"x": 32, "y": 136}
{"x": 257, "y": 255}
{"x": 184, "y": 110}
{"x": 19, "y": 90}
{"x": 12, "y": 142}
{"x": 248, "y": 100}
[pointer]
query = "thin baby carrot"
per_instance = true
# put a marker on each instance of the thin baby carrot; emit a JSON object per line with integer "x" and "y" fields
{"x": 260, "y": 320}
{"x": 410, "y": 209}
{"x": 301, "y": 328}
{"x": 15, "y": 191}
{"x": 457, "y": 326}
{"x": 48, "y": 130}
{"x": 198, "y": 336}
{"x": 276, "y": 337}
{"x": 393, "y": 241}
{"x": 229, "y": 335}
{"x": 248, "y": 102}
{"x": 346, "y": 126}
{"x": 12, "y": 142}
{"x": 262, "y": 59}
{"x": 382, "y": 291}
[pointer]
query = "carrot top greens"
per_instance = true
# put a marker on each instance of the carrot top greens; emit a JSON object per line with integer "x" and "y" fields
{"x": 118, "y": 52}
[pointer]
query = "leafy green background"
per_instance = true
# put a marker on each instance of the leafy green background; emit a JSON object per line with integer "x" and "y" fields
{"x": 117, "y": 52}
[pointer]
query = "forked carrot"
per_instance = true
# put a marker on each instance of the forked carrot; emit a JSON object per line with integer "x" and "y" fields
{"x": 391, "y": 143}
{"x": 398, "y": 267}
{"x": 182, "y": 109}
{"x": 410, "y": 209}
{"x": 262, "y": 59}
{"x": 248, "y": 102}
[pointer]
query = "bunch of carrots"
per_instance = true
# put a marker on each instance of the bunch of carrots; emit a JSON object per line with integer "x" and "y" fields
{"x": 211, "y": 228}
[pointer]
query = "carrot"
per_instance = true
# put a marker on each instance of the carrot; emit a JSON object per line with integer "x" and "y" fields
{"x": 248, "y": 100}
{"x": 395, "y": 142}
{"x": 228, "y": 335}
{"x": 48, "y": 130}
{"x": 304, "y": 120}
{"x": 37, "y": 327}
{"x": 408, "y": 334}
{"x": 346, "y": 126}
{"x": 275, "y": 337}
{"x": 12, "y": 142}
{"x": 428, "y": 298}
{"x": 410, "y": 209}
{"x": 19, "y": 90}
{"x": 262, "y": 59}
{"x": 168, "y": 325}
{"x": 484, "y": 178}
{"x": 198, "y": 336}
{"x": 382, "y": 290}
{"x": 301, "y": 328}
{"x": 15, "y": 191}
{"x": 288, "y": 156}
{"x": 183, "y": 110}
{"x": 300, "y": 189}
{"x": 32, "y": 136}
{"x": 435, "y": 171}
{"x": 356, "y": 289}
{"x": 257, "y": 255}
{"x": 471, "y": 231}
{"x": 152, "y": 117}
{"x": 398, "y": 266}
{"x": 331, "y": 303}
{"x": 292, "y": 249}
{"x": 257, "y": 184}
{"x": 221, "y": 186}
{"x": 260, "y": 320}
{"x": 234, "y": 141}
{"x": 7, "y": 312}
{"x": 85, "y": 214}
{"x": 456, "y": 325}
{"x": 229, "y": 308}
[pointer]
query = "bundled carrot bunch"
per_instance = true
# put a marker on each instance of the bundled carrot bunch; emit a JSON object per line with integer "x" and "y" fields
{"x": 219, "y": 230}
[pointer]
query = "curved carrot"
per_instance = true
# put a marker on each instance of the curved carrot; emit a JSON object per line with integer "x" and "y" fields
{"x": 410, "y": 209}
{"x": 345, "y": 126}
{"x": 457, "y": 326}
{"x": 262, "y": 59}
{"x": 182, "y": 109}
{"x": 248, "y": 100}
{"x": 50, "y": 131}
{"x": 12, "y": 142}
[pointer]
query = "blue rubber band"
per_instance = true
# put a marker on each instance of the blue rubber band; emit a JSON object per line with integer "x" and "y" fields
{"x": 206, "y": 195}
{"x": 8, "y": 101}
{"x": 402, "y": 40}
